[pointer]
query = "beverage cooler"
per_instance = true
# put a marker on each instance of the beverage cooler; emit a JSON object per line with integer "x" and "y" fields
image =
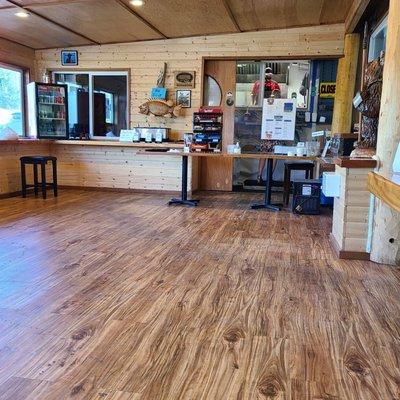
{"x": 48, "y": 110}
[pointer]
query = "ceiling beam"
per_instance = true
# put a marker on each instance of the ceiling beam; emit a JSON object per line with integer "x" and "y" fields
{"x": 231, "y": 15}
{"x": 18, "y": 43}
{"x": 355, "y": 13}
{"x": 147, "y": 23}
{"x": 33, "y": 12}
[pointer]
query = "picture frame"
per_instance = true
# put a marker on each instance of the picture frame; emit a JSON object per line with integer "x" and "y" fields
{"x": 185, "y": 79}
{"x": 69, "y": 58}
{"x": 184, "y": 98}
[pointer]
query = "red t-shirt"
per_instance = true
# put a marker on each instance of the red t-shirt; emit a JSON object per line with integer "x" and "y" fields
{"x": 269, "y": 86}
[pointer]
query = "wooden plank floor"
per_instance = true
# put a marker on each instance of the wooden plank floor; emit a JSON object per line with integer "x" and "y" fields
{"x": 116, "y": 296}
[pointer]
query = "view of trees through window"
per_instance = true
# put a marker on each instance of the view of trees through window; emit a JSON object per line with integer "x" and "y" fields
{"x": 11, "y": 100}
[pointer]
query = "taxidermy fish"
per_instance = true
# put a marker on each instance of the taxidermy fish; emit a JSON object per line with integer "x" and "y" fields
{"x": 160, "y": 108}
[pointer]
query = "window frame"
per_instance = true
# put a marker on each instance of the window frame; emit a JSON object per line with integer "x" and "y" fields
{"x": 372, "y": 40}
{"x": 91, "y": 74}
{"x": 25, "y": 78}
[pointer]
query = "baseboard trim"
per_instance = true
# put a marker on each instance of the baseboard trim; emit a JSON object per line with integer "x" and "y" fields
{"x": 99, "y": 189}
{"x": 345, "y": 254}
{"x": 120, "y": 190}
{"x": 8, "y": 195}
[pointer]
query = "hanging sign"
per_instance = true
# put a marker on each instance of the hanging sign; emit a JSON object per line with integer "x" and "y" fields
{"x": 327, "y": 89}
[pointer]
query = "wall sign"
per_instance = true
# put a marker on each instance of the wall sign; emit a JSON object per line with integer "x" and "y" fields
{"x": 185, "y": 78}
{"x": 158, "y": 93}
{"x": 327, "y": 89}
{"x": 278, "y": 119}
{"x": 69, "y": 57}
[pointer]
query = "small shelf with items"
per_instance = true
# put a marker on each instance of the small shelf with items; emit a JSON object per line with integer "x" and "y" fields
{"x": 207, "y": 129}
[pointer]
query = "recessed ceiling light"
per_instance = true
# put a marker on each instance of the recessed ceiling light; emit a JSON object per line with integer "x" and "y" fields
{"x": 22, "y": 14}
{"x": 137, "y": 3}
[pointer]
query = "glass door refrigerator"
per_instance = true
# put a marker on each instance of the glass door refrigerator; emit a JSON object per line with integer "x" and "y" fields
{"x": 47, "y": 110}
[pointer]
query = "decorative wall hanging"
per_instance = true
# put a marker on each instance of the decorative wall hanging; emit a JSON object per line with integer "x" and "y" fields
{"x": 185, "y": 79}
{"x": 69, "y": 58}
{"x": 184, "y": 98}
{"x": 160, "y": 92}
{"x": 160, "y": 108}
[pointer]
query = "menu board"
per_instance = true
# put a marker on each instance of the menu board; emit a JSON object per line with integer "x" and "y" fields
{"x": 278, "y": 119}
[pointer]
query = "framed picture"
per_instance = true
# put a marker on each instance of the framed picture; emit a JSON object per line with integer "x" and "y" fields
{"x": 185, "y": 78}
{"x": 184, "y": 98}
{"x": 69, "y": 57}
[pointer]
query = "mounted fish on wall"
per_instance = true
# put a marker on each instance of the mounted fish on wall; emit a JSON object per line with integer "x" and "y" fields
{"x": 160, "y": 108}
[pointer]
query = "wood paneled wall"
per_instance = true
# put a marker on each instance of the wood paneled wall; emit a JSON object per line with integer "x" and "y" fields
{"x": 350, "y": 212}
{"x": 145, "y": 59}
{"x": 116, "y": 168}
{"x": 97, "y": 166}
{"x": 13, "y": 53}
{"x": 10, "y": 175}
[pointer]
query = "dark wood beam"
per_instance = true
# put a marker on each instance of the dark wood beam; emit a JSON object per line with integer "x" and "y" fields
{"x": 18, "y": 43}
{"x": 355, "y": 13}
{"x": 39, "y": 15}
{"x": 133, "y": 12}
{"x": 231, "y": 15}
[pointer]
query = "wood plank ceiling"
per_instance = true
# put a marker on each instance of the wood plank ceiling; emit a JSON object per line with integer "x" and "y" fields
{"x": 63, "y": 23}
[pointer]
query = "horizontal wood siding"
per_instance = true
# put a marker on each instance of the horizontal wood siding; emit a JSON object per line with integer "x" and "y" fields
{"x": 350, "y": 213}
{"x": 145, "y": 59}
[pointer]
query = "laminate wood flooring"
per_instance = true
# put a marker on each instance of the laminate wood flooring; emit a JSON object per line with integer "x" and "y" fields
{"x": 117, "y": 296}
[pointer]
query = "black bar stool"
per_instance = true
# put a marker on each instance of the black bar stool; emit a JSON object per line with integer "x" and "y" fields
{"x": 42, "y": 161}
{"x": 308, "y": 167}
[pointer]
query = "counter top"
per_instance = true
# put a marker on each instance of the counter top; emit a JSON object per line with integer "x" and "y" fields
{"x": 110, "y": 143}
{"x": 349, "y": 162}
{"x": 386, "y": 187}
{"x": 228, "y": 155}
{"x": 116, "y": 143}
{"x": 25, "y": 141}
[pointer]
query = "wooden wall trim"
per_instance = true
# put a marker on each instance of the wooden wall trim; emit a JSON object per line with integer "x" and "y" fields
{"x": 347, "y": 255}
{"x": 355, "y": 13}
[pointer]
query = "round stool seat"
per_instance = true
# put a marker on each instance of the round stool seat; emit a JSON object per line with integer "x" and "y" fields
{"x": 37, "y": 159}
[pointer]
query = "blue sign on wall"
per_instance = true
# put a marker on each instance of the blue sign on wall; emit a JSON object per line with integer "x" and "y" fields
{"x": 159, "y": 93}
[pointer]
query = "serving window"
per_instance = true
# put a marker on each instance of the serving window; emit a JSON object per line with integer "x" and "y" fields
{"x": 98, "y": 102}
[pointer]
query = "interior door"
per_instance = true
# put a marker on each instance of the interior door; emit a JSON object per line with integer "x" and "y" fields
{"x": 216, "y": 174}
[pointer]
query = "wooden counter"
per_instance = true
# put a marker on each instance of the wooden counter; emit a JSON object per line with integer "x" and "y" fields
{"x": 116, "y": 143}
{"x": 96, "y": 164}
{"x": 387, "y": 188}
{"x": 241, "y": 155}
{"x": 109, "y": 143}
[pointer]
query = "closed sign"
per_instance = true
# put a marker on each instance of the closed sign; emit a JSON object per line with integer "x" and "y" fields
{"x": 327, "y": 89}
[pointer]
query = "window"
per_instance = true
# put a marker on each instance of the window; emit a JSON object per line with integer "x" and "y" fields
{"x": 12, "y": 100}
{"x": 377, "y": 42}
{"x": 97, "y": 102}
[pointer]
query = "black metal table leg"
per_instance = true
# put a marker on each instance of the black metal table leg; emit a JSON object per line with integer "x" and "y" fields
{"x": 184, "y": 200}
{"x": 268, "y": 190}
{"x": 23, "y": 178}
{"x": 35, "y": 179}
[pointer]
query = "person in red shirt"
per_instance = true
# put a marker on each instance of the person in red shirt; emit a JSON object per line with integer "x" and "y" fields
{"x": 271, "y": 89}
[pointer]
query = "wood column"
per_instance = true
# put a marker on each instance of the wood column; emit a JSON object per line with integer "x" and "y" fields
{"x": 345, "y": 85}
{"x": 386, "y": 227}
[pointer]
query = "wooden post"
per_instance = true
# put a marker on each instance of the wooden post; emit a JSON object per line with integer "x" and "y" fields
{"x": 345, "y": 85}
{"x": 386, "y": 227}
